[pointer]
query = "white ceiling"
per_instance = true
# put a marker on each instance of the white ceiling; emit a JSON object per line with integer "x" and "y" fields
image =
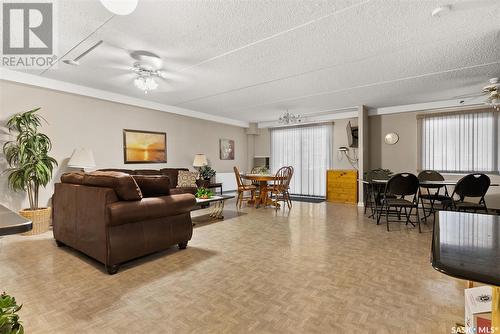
{"x": 251, "y": 60}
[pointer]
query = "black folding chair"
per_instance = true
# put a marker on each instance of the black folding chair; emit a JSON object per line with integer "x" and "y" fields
{"x": 398, "y": 187}
{"x": 373, "y": 192}
{"x": 472, "y": 186}
{"x": 432, "y": 192}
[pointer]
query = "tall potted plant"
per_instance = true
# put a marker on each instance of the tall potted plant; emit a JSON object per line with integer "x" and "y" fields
{"x": 30, "y": 165}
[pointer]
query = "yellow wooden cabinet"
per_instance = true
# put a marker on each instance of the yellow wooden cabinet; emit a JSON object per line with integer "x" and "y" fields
{"x": 342, "y": 186}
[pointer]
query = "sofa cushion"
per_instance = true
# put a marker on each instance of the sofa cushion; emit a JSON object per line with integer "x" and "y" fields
{"x": 187, "y": 190}
{"x": 123, "y": 184}
{"x": 172, "y": 173}
{"x": 153, "y": 185}
{"x": 187, "y": 179}
{"x": 147, "y": 172}
{"x": 149, "y": 208}
{"x": 74, "y": 178}
{"x": 126, "y": 171}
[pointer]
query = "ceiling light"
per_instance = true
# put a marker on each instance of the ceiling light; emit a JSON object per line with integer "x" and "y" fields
{"x": 145, "y": 83}
{"x": 494, "y": 100}
{"x": 493, "y": 91}
{"x": 440, "y": 11}
{"x": 120, "y": 7}
{"x": 288, "y": 118}
{"x": 76, "y": 61}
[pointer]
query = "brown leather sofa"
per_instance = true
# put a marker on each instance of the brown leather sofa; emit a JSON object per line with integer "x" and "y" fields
{"x": 172, "y": 173}
{"x": 115, "y": 217}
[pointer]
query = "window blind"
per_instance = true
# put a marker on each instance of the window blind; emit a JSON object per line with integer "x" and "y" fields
{"x": 309, "y": 150}
{"x": 462, "y": 142}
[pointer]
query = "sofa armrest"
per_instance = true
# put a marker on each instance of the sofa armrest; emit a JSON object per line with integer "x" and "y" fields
{"x": 150, "y": 208}
{"x": 80, "y": 217}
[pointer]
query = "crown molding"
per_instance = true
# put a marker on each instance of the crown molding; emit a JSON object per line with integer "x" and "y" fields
{"x": 39, "y": 81}
{"x": 317, "y": 117}
{"x": 427, "y": 106}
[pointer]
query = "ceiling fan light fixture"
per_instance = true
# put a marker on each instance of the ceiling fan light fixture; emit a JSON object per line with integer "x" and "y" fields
{"x": 120, "y": 7}
{"x": 145, "y": 84}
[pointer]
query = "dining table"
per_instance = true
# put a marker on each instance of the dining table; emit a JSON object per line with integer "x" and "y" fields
{"x": 467, "y": 246}
{"x": 12, "y": 223}
{"x": 262, "y": 181}
{"x": 376, "y": 187}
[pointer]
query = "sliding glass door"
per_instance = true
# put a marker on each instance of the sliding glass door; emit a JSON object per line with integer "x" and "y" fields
{"x": 309, "y": 150}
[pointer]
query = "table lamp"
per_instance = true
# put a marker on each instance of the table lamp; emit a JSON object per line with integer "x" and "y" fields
{"x": 200, "y": 160}
{"x": 82, "y": 158}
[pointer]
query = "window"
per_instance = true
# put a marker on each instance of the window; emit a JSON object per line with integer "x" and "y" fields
{"x": 461, "y": 142}
{"x": 309, "y": 150}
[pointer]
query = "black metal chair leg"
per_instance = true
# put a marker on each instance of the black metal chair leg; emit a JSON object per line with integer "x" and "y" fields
{"x": 387, "y": 216}
{"x": 418, "y": 221}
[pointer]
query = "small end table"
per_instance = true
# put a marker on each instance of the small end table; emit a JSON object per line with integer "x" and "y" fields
{"x": 216, "y": 185}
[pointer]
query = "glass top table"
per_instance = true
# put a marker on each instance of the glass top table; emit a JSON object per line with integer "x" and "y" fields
{"x": 467, "y": 246}
{"x": 12, "y": 223}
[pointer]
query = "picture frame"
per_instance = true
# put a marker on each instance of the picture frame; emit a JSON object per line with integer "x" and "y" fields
{"x": 140, "y": 147}
{"x": 226, "y": 149}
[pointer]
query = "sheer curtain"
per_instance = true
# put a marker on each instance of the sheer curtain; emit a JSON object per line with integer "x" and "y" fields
{"x": 462, "y": 142}
{"x": 309, "y": 150}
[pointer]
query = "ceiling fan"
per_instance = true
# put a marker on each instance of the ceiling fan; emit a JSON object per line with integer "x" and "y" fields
{"x": 491, "y": 91}
{"x": 147, "y": 67}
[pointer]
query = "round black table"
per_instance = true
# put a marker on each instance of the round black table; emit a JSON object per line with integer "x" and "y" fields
{"x": 12, "y": 223}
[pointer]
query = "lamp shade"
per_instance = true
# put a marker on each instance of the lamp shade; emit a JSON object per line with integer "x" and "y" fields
{"x": 200, "y": 160}
{"x": 82, "y": 158}
{"x": 120, "y": 7}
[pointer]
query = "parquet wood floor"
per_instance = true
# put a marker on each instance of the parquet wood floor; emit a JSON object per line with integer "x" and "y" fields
{"x": 323, "y": 268}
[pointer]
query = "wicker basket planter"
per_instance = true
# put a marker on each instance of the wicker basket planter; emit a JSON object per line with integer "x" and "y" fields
{"x": 40, "y": 219}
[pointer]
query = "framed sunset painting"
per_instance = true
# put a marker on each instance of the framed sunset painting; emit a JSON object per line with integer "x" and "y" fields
{"x": 144, "y": 147}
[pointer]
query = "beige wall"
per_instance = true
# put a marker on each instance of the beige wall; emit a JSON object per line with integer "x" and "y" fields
{"x": 402, "y": 157}
{"x": 78, "y": 121}
{"x": 263, "y": 143}
{"x": 340, "y": 139}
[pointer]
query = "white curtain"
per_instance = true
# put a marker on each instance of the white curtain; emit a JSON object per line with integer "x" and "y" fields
{"x": 463, "y": 142}
{"x": 309, "y": 150}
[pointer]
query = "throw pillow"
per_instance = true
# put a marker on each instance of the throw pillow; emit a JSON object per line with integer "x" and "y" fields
{"x": 187, "y": 179}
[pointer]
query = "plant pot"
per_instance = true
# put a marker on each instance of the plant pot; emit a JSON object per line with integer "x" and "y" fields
{"x": 40, "y": 219}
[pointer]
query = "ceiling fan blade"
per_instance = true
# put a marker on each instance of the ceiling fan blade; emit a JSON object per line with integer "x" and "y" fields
{"x": 467, "y": 96}
{"x": 124, "y": 79}
{"x": 171, "y": 76}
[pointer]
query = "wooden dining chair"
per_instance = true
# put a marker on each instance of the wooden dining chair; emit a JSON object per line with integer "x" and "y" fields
{"x": 278, "y": 190}
{"x": 242, "y": 188}
{"x": 287, "y": 191}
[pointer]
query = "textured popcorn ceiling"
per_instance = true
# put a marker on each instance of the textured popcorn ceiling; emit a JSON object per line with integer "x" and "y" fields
{"x": 251, "y": 60}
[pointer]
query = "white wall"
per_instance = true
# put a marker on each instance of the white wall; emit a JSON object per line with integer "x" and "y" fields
{"x": 78, "y": 121}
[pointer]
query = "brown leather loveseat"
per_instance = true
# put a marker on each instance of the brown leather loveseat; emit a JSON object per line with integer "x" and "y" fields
{"x": 115, "y": 217}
